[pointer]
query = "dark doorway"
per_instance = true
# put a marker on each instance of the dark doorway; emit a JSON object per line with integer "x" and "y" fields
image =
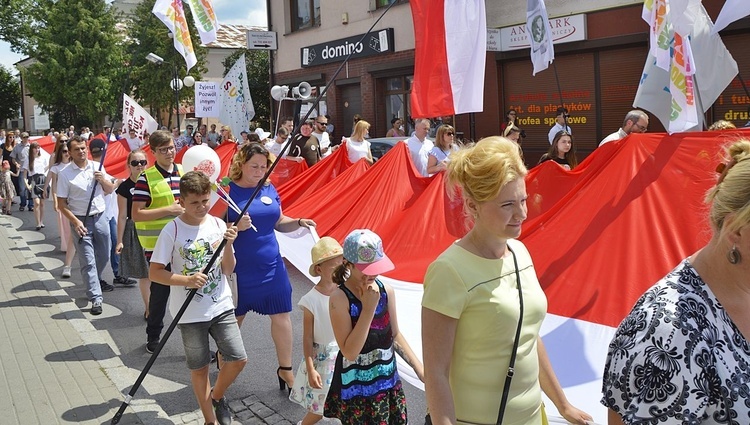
{"x": 351, "y": 103}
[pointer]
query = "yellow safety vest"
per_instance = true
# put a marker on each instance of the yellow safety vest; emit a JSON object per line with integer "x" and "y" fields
{"x": 161, "y": 196}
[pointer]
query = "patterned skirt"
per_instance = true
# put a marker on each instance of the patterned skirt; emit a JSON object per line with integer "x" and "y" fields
{"x": 387, "y": 407}
{"x": 313, "y": 399}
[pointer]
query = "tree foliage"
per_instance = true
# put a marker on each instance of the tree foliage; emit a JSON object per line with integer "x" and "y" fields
{"x": 10, "y": 93}
{"x": 79, "y": 62}
{"x": 258, "y": 67}
{"x": 150, "y": 82}
{"x": 27, "y": 17}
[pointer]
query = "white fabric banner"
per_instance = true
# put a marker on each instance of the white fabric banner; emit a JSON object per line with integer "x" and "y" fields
{"x": 236, "y": 105}
{"x": 713, "y": 69}
{"x": 733, "y": 10}
{"x": 205, "y": 19}
{"x": 207, "y": 99}
{"x": 136, "y": 118}
{"x": 172, "y": 14}
{"x": 540, "y": 36}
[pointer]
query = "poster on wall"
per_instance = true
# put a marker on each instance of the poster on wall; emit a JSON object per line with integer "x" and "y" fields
{"x": 207, "y": 99}
{"x": 41, "y": 119}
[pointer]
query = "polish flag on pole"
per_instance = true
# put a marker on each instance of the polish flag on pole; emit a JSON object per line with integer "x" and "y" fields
{"x": 733, "y": 10}
{"x": 449, "y": 59}
{"x": 171, "y": 13}
{"x": 205, "y": 19}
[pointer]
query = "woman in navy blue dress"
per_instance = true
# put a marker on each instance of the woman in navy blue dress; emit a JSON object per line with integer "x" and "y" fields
{"x": 262, "y": 282}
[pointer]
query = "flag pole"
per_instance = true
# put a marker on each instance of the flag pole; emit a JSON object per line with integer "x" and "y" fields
{"x": 559, "y": 91}
{"x": 191, "y": 293}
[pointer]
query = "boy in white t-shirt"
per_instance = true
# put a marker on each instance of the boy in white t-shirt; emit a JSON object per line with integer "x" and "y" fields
{"x": 187, "y": 244}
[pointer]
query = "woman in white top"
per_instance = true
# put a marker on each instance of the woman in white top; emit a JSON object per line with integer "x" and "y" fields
{"x": 61, "y": 159}
{"x": 438, "y": 158}
{"x": 38, "y": 164}
{"x": 356, "y": 145}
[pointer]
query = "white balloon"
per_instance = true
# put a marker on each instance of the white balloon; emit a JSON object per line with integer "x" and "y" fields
{"x": 202, "y": 158}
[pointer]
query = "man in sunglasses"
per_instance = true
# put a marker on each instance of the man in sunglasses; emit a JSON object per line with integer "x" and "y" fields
{"x": 156, "y": 202}
{"x": 636, "y": 121}
{"x": 561, "y": 124}
{"x": 320, "y": 131}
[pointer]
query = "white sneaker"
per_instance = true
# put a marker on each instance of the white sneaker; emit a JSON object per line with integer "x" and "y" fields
{"x": 66, "y": 272}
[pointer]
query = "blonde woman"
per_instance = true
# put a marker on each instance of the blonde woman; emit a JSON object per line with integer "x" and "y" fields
{"x": 356, "y": 145}
{"x": 61, "y": 159}
{"x": 226, "y": 134}
{"x": 478, "y": 294}
{"x": 438, "y": 158}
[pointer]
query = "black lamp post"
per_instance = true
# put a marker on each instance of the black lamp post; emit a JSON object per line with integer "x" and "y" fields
{"x": 176, "y": 84}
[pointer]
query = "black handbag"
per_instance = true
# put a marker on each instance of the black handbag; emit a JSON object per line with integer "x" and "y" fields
{"x": 512, "y": 363}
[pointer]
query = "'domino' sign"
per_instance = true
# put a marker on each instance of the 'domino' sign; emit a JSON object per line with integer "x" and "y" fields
{"x": 337, "y": 50}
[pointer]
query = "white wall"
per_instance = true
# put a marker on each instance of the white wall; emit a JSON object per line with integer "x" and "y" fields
{"x": 499, "y": 14}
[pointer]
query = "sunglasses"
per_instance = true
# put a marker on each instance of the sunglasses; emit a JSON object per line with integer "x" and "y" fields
{"x": 65, "y": 151}
{"x": 136, "y": 163}
{"x": 449, "y": 133}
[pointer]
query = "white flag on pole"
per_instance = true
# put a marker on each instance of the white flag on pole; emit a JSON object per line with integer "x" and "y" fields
{"x": 136, "y": 118}
{"x": 733, "y": 10}
{"x": 664, "y": 93}
{"x": 236, "y": 104}
{"x": 205, "y": 19}
{"x": 172, "y": 14}
{"x": 540, "y": 36}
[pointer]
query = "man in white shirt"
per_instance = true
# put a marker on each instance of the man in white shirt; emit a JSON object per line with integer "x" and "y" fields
{"x": 561, "y": 123}
{"x": 20, "y": 155}
{"x": 134, "y": 142}
{"x": 212, "y": 137}
{"x": 319, "y": 131}
{"x": 74, "y": 186}
{"x": 636, "y": 121}
{"x": 420, "y": 146}
{"x": 274, "y": 145}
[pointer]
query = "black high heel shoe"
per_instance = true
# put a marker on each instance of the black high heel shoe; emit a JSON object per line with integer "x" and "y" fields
{"x": 282, "y": 382}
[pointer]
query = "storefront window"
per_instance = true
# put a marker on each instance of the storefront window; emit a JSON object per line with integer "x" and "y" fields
{"x": 305, "y": 14}
{"x": 397, "y": 103}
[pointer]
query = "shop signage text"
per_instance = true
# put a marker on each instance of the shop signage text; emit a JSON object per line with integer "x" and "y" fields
{"x": 564, "y": 30}
{"x": 337, "y": 50}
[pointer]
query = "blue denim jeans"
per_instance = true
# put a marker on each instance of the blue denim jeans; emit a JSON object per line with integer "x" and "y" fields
{"x": 93, "y": 253}
{"x": 23, "y": 192}
{"x": 114, "y": 258}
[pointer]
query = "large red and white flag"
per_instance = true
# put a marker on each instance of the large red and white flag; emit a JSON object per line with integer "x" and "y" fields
{"x": 172, "y": 14}
{"x": 540, "y": 37}
{"x": 733, "y": 10}
{"x": 450, "y": 50}
{"x": 205, "y": 19}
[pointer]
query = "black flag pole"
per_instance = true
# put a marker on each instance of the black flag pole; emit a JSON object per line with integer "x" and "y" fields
{"x": 214, "y": 257}
{"x": 559, "y": 92}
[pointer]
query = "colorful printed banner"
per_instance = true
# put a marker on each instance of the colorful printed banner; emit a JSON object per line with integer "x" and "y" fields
{"x": 172, "y": 14}
{"x": 136, "y": 118}
{"x": 205, "y": 19}
{"x": 236, "y": 104}
{"x": 540, "y": 37}
{"x": 700, "y": 69}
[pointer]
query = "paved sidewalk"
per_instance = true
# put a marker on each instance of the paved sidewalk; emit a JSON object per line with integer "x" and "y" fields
{"x": 49, "y": 374}
{"x": 56, "y": 367}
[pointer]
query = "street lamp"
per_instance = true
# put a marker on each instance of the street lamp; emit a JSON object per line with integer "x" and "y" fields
{"x": 176, "y": 83}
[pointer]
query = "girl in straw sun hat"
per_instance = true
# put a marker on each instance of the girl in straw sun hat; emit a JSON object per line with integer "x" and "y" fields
{"x": 315, "y": 372}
